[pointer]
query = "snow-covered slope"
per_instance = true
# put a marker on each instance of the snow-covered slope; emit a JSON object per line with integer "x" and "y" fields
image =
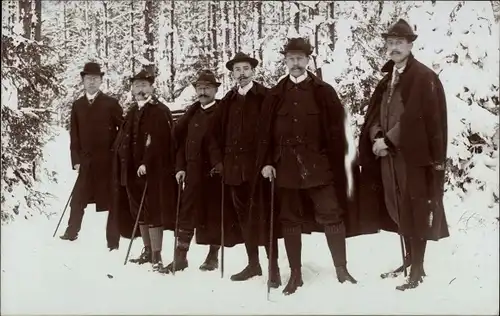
{"x": 45, "y": 275}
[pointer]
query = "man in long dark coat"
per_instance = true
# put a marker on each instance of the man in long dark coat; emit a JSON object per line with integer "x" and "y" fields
{"x": 234, "y": 149}
{"x": 95, "y": 119}
{"x": 303, "y": 145}
{"x": 144, "y": 171}
{"x": 402, "y": 151}
{"x": 201, "y": 198}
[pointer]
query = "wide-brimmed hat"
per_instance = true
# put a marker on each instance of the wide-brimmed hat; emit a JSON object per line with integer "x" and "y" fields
{"x": 241, "y": 57}
{"x": 401, "y": 29}
{"x": 143, "y": 75}
{"x": 206, "y": 76}
{"x": 91, "y": 69}
{"x": 298, "y": 44}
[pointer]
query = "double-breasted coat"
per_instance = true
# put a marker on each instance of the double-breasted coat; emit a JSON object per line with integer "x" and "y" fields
{"x": 422, "y": 144}
{"x": 93, "y": 129}
{"x": 332, "y": 117}
{"x": 156, "y": 148}
{"x": 193, "y": 157}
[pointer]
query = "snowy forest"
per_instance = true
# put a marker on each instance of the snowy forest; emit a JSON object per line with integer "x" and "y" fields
{"x": 45, "y": 45}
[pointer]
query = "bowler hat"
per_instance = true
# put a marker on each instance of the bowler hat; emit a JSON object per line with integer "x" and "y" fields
{"x": 298, "y": 44}
{"x": 241, "y": 57}
{"x": 91, "y": 69}
{"x": 401, "y": 29}
{"x": 143, "y": 75}
{"x": 208, "y": 77}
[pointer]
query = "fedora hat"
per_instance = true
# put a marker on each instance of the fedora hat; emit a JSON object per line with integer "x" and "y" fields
{"x": 401, "y": 29}
{"x": 298, "y": 44}
{"x": 206, "y": 76}
{"x": 241, "y": 57}
{"x": 143, "y": 75}
{"x": 91, "y": 69}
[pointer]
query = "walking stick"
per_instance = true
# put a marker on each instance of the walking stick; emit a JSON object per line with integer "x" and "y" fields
{"x": 136, "y": 223}
{"x": 222, "y": 230}
{"x": 65, "y": 208}
{"x": 391, "y": 161}
{"x": 271, "y": 238}
{"x": 176, "y": 232}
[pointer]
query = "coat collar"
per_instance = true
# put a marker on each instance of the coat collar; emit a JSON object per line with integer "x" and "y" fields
{"x": 389, "y": 66}
{"x": 279, "y": 88}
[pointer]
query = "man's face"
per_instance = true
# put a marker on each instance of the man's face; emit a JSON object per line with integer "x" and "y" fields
{"x": 296, "y": 62}
{"x": 91, "y": 83}
{"x": 206, "y": 92}
{"x": 243, "y": 73}
{"x": 398, "y": 48}
{"x": 141, "y": 89}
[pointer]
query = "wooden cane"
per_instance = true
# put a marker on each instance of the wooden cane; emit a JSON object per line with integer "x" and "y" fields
{"x": 136, "y": 223}
{"x": 222, "y": 230}
{"x": 65, "y": 208}
{"x": 271, "y": 237}
{"x": 176, "y": 238}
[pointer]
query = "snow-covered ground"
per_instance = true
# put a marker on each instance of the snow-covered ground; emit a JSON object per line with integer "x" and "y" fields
{"x": 45, "y": 275}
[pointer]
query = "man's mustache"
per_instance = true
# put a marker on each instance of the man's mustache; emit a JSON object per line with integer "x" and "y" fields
{"x": 242, "y": 78}
{"x": 395, "y": 52}
{"x": 203, "y": 96}
{"x": 297, "y": 68}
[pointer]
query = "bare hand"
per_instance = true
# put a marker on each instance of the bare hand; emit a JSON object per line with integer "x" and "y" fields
{"x": 180, "y": 176}
{"x": 378, "y": 146}
{"x": 77, "y": 167}
{"x": 141, "y": 171}
{"x": 268, "y": 172}
{"x": 217, "y": 169}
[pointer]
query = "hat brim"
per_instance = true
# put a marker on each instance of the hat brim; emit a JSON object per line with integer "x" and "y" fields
{"x": 83, "y": 73}
{"x": 307, "y": 52}
{"x": 253, "y": 62}
{"x": 216, "y": 84}
{"x": 409, "y": 37}
{"x": 151, "y": 80}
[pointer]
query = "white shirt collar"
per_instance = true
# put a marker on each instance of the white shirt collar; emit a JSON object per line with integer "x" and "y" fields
{"x": 206, "y": 106}
{"x": 299, "y": 79}
{"x": 399, "y": 70}
{"x": 91, "y": 96}
{"x": 143, "y": 102}
{"x": 245, "y": 89}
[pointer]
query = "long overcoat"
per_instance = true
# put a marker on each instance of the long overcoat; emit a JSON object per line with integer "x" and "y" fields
{"x": 423, "y": 143}
{"x": 93, "y": 130}
{"x": 333, "y": 119}
{"x": 159, "y": 159}
{"x": 208, "y": 216}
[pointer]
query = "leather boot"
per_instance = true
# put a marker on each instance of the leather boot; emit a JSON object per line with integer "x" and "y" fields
{"x": 156, "y": 239}
{"x": 212, "y": 261}
{"x": 335, "y": 237}
{"x": 156, "y": 261}
{"x": 253, "y": 268}
{"x": 180, "y": 261}
{"x": 417, "y": 272}
{"x": 274, "y": 280}
{"x": 406, "y": 263}
{"x": 178, "y": 264}
{"x": 293, "y": 246}
{"x": 145, "y": 257}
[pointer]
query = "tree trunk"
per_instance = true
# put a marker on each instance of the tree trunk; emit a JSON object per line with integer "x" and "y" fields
{"x": 38, "y": 24}
{"x": 132, "y": 49}
{"x": 296, "y": 19}
{"x": 87, "y": 28}
{"x": 260, "y": 29}
{"x": 106, "y": 41}
{"x": 65, "y": 45}
{"x": 149, "y": 41}
{"x": 331, "y": 26}
{"x": 235, "y": 25}
{"x": 319, "y": 72}
{"x": 26, "y": 14}
{"x": 172, "y": 59}
{"x": 214, "y": 28}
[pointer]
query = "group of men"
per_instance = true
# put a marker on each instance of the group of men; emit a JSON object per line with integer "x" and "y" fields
{"x": 262, "y": 164}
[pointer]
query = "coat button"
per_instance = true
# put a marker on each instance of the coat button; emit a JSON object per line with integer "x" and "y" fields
{"x": 294, "y": 103}
{"x": 295, "y": 120}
